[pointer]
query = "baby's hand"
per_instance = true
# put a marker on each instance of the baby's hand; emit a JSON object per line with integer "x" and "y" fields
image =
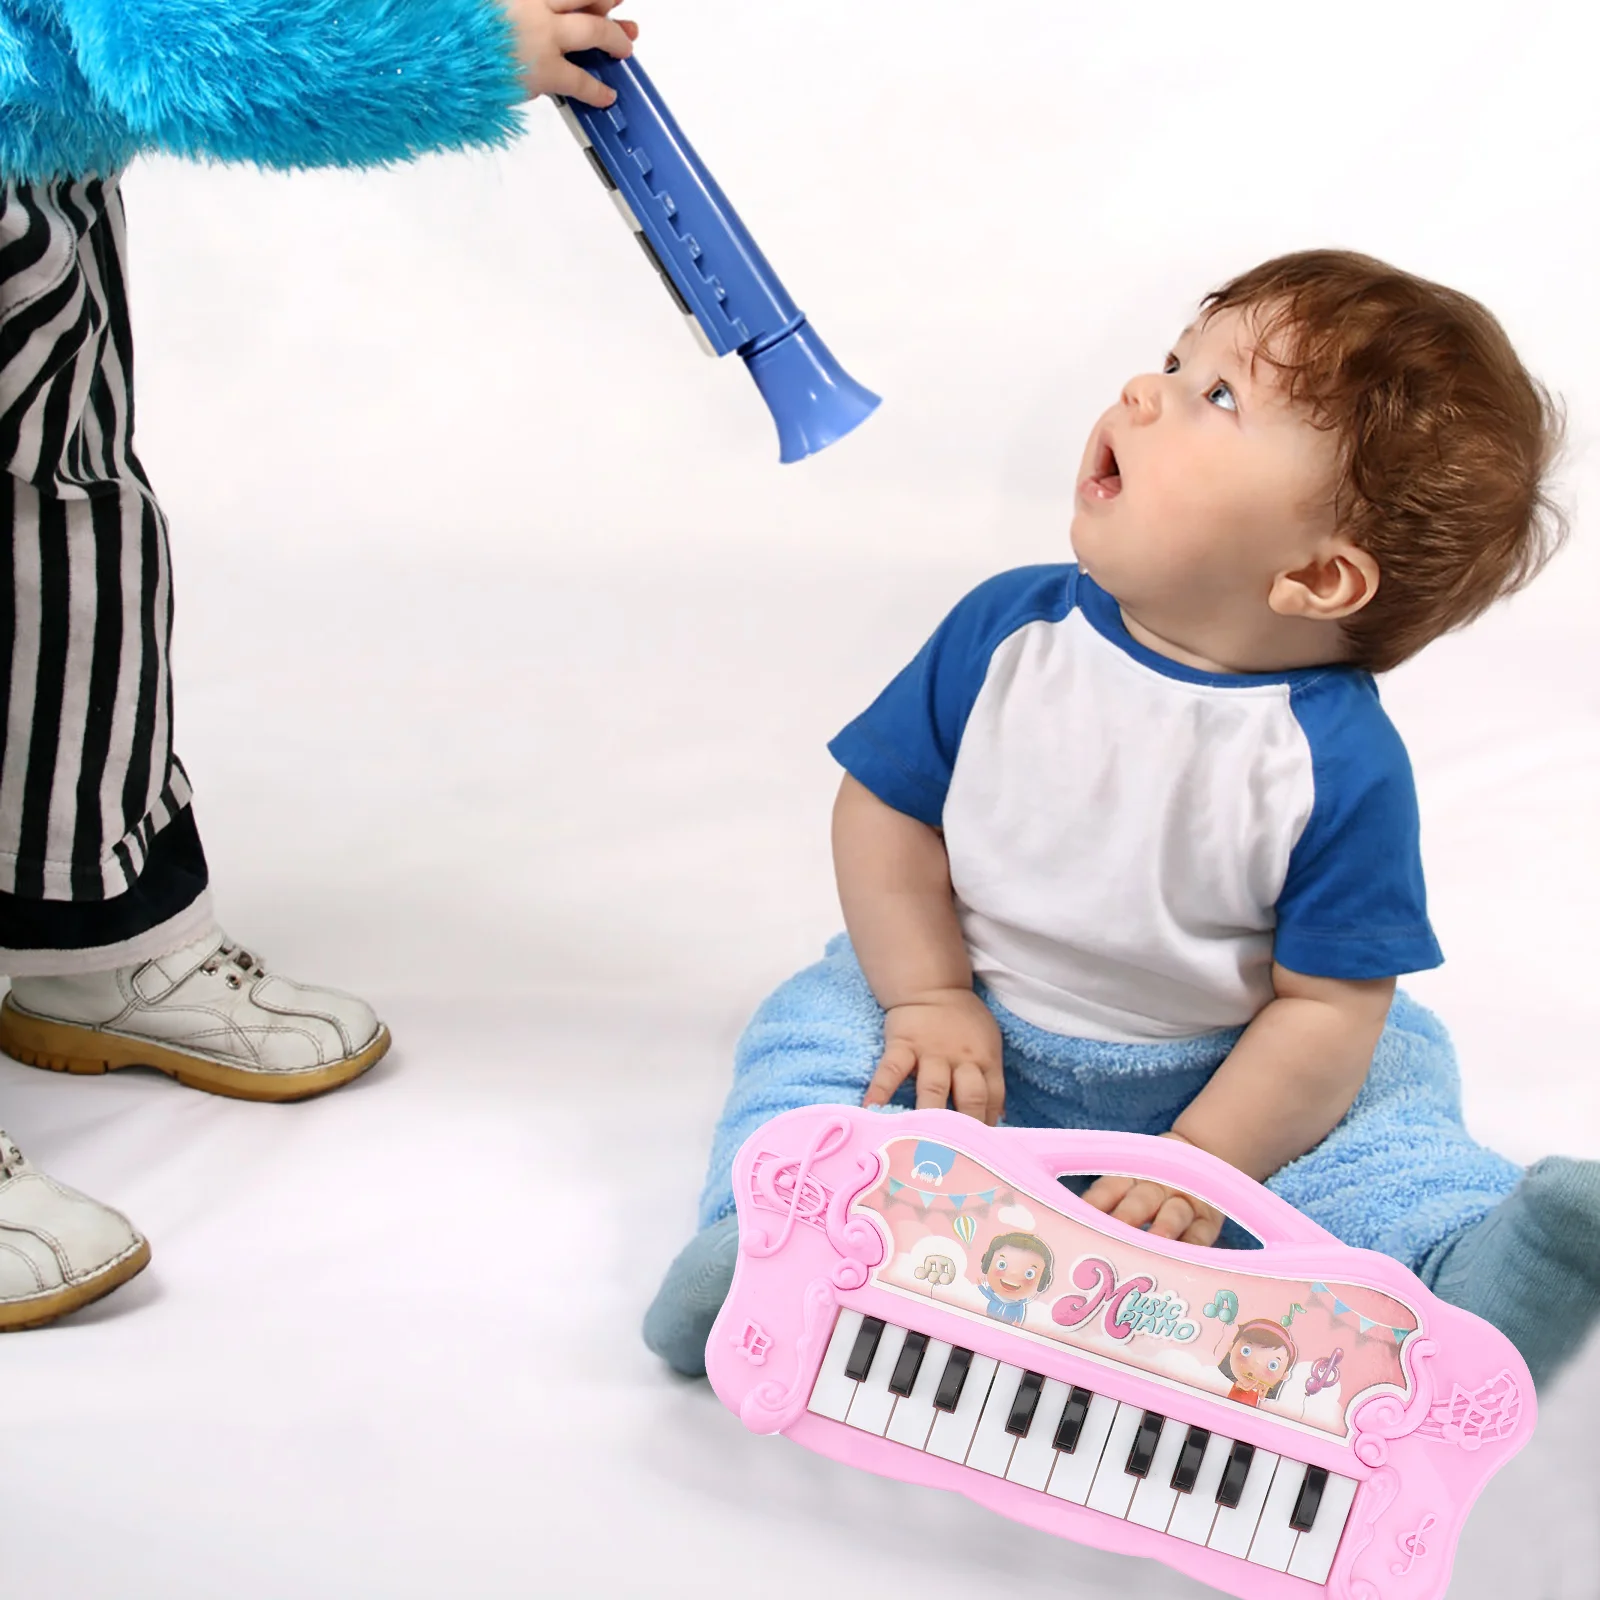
{"x": 548, "y": 31}
{"x": 952, "y": 1042}
{"x": 1170, "y": 1213}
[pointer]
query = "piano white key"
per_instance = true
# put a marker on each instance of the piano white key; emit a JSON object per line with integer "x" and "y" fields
{"x": 1154, "y": 1499}
{"x": 1034, "y": 1456}
{"x": 1196, "y": 1511}
{"x": 991, "y": 1444}
{"x": 1075, "y": 1473}
{"x": 872, "y": 1405}
{"x": 1314, "y": 1551}
{"x": 1273, "y": 1544}
{"x": 914, "y": 1413}
{"x": 1234, "y": 1528}
{"x": 832, "y": 1393}
{"x": 952, "y": 1430}
{"x": 1113, "y": 1484}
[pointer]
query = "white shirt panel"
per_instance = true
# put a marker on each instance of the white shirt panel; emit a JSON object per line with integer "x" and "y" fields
{"x": 1118, "y": 837}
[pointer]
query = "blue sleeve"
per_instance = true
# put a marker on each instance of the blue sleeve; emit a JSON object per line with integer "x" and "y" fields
{"x": 1354, "y": 904}
{"x": 301, "y": 83}
{"x": 903, "y": 746}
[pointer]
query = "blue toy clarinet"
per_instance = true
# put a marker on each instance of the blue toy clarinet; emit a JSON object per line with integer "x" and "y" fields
{"x": 711, "y": 266}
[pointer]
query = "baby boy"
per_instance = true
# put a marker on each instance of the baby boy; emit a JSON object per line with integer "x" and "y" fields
{"x": 1132, "y": 844}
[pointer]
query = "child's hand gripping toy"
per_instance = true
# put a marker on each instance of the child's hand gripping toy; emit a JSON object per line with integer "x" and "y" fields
{"x": 919, "y": 1296}
{"x": 720, "y": 281}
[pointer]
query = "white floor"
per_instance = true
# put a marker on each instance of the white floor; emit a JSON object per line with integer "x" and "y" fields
{"x": 566, "y": 829}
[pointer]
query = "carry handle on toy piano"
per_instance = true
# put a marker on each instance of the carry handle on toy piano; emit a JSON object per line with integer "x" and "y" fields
{"x": 712, "y": 268}
{"x": 917, "y": 1295}
{"x": 1167, "y": 1161}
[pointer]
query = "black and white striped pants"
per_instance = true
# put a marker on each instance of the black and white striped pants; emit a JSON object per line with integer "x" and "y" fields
{"x": 100, "y": 862}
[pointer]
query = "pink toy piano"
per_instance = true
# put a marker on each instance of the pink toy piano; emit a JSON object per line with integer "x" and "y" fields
{"x": 917, "y": 1294}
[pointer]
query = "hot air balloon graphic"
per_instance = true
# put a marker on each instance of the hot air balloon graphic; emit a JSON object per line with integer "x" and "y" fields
{"x": 964, "y": 1227}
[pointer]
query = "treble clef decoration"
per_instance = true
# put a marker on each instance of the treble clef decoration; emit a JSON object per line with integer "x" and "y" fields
{"x": 1413, "y": 1546}
{"x": 1325, "y": 1372}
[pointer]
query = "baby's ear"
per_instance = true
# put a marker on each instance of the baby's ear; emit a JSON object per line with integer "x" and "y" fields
{"x": 1336, "y": 584}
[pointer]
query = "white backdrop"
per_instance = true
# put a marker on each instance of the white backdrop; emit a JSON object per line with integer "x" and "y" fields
{"x": 507, "y": 654}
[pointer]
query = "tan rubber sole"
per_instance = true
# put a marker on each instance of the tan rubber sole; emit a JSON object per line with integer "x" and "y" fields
{"x": 65, "y": 1047}
{"x": 35, "y": 1313}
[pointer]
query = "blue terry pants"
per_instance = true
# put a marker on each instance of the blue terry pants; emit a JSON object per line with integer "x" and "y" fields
{"x": 1399, "y": 1174}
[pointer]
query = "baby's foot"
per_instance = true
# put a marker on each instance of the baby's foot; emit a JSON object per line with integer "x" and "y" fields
{"x": 1532, "y": 1266}
{"x": 679, "y": 1320}
{"x": 208, "y": 1014}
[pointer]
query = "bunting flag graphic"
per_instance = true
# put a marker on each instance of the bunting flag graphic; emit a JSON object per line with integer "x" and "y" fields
{"x": 927, "y": 1196}
{"x": 1340, "y": 1309}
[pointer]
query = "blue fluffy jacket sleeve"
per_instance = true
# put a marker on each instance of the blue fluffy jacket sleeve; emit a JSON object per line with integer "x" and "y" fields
{"x": 296, "y": 83}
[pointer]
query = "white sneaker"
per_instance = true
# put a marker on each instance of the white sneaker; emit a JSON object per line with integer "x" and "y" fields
{"x": 209, "y": 1015}
{"x": 58, "y": 1248}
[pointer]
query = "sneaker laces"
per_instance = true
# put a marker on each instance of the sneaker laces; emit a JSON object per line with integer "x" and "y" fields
{"x": 228, "y": 954}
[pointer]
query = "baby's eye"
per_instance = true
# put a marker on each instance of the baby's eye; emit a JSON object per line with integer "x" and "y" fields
{"x": 999, "y": 1263}
{"x": 1244, "y": 1350}
{"x": 1221, "y": 396}
{"x": 1274, "y": 1364}
{"x": 1170, "y": 365}
{"x": 1032, "y": 1272}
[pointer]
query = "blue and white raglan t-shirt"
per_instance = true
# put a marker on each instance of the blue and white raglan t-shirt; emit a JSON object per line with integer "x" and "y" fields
{"x": 1132, "y": 841}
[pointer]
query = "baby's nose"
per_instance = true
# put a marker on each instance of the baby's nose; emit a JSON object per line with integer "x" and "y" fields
{"x": 1142, "y": 395}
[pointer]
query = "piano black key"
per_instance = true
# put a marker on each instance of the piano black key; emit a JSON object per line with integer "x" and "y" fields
{"x": 1189, "y": 1459}
{"x": 1023, "y": 1407}
{"x": 1234, "y": 1475}
{"x": 904, "y": 1378}
{"x": 1304, "y": 1516}
{"x": 864, "y": 1349}
{"x": 1071, "y": 1424}
{"x": 948, "y": 1396}
{"x": 1143, "y": 1451}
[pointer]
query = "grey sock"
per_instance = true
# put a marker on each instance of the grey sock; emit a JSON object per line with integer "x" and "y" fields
{"x": 1532, "y": 1266}
{"x": 679, "y": 1320}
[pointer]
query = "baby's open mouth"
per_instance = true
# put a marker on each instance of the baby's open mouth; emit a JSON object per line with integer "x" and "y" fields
{"x": 1105, "y": 476}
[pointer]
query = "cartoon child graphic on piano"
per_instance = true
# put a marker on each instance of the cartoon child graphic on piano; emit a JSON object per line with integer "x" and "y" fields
{"x": 1016, "y": 1267}
{"x": 1260, "y": 1360}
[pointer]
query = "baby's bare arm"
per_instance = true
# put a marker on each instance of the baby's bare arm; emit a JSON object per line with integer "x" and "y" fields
{"x": 894, "y": 889}
{"x": 1293, "y": 1074}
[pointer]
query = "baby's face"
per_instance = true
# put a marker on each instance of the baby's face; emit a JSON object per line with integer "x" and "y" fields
{"x": 1202, "y": 482}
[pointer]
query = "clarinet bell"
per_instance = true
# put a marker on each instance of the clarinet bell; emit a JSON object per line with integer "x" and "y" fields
{"x": 813, "y": 400}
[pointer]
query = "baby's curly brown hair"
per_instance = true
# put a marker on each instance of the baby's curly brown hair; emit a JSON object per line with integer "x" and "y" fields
{"x": 1446, "y": 440}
